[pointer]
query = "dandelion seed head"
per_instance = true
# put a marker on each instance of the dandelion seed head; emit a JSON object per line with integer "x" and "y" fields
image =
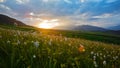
{"x": 36, "y": 44}
{"x": 34, "y": 56}
{"x": 92, "y": 52}
{"x": 104, "y": 62}
{"x": 94, "y": 57}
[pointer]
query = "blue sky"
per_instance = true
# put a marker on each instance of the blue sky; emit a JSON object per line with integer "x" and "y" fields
{"x": 103, "y": 13}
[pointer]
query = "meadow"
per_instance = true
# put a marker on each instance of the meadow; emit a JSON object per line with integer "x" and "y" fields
{"x": 38, "y": 48}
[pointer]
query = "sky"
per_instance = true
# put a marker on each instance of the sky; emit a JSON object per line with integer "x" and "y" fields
{"x": 102, "y": 13}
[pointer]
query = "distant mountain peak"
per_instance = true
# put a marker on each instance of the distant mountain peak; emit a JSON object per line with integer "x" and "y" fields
{"x": 89, "y": 28}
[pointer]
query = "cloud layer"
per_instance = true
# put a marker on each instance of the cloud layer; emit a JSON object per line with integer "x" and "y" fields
{"x": 75, "y": 12}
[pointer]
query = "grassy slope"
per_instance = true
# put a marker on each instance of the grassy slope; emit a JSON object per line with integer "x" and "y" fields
{"x": 94, "y": 36}
{"x": 18, "y": 50}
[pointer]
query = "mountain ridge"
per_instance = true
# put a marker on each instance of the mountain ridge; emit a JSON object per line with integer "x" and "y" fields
{"x": 89, "y": 28}
{"x": 117, "y": 28}
{"x": 6, "y": 20}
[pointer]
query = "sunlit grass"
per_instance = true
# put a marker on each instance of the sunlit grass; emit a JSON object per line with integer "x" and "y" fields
{"x": 31, "y": 49}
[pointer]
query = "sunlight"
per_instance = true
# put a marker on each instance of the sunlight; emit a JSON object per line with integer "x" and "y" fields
{"x": 48, "y": 24}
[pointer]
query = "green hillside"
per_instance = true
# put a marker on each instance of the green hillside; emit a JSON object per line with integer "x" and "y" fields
{"x": 28, "y": 47}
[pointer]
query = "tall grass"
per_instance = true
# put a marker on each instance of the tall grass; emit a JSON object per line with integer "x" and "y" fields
{"x": 31, "y": 49}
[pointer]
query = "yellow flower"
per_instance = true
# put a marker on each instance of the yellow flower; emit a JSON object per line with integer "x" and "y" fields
{"x": 81, "y": 48}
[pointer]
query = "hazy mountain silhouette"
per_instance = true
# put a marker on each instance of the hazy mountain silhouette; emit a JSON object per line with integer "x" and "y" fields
{"x": 89, "y": 28}
{"x": 6, "y": 20}
{"x": 114, "y": 27}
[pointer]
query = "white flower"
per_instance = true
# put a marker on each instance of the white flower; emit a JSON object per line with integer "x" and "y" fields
{"x": 65, "y": 39}
{"x": 36, "y": 43}
{"x": 97, "y": 54}
{"x": 95, "y": 63}
{"x": 104, "y": 62}
{"x": 34, "y": 56}
{"x": 104, "y": 56}
{"x": 94, "y": 57}
{"x": 115, "y": 57}
{"x": 18, "y": 42}
{"x": 49, "y": 43}
{"x": 100, "y": 53}
{"x": 8, "y": 41}
{"x": 92, "y": 52}
{"x": 25, "y": 43}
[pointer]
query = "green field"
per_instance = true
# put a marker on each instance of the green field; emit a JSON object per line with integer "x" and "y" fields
{"x": 28, "y": 47}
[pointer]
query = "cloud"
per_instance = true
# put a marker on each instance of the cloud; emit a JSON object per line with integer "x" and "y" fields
{"x": 50, "y": 1}
{"x": 68, "y": 1}
{"x": 1, "y": 1}
{"x": 22, "y": 1}
{"x": 103, "y": 16}
{"x": 45, "y": 0}
{"x": 110, "y": 1}
{"x": 5, "y": 7}
{"x": 82, "y": 1}
{"x": 95, "y": 12}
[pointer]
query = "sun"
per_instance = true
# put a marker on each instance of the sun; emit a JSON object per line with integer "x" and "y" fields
{"x": 45, "y": 25}
{"x": 48, "y": 24}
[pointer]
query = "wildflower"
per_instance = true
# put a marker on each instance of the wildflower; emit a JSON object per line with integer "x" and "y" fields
{"x": 32, "y": 41}
{"x": 95, "y": 64}
{"x": 50, "y": 42}
{"x": 100, "y": 53}
{"x": 34, "y": 56}
{"x": 104, "y": 56}
{"x": 36, "y": 43}
{"x": 81, "y": 48}
{"x": 94, "y": 57}
{"x": 92, "y": 52}
{"x": 25, "y": 43}
{"x": 62, "y": 65}
{"x": 104, "y": 62}
{"x": 18, "y": 42}
{"x": 116, "y": 57}
{"x": 8, "y": 41}
{"x": 65, "y": 39}
{"x": 97, "y": 54}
